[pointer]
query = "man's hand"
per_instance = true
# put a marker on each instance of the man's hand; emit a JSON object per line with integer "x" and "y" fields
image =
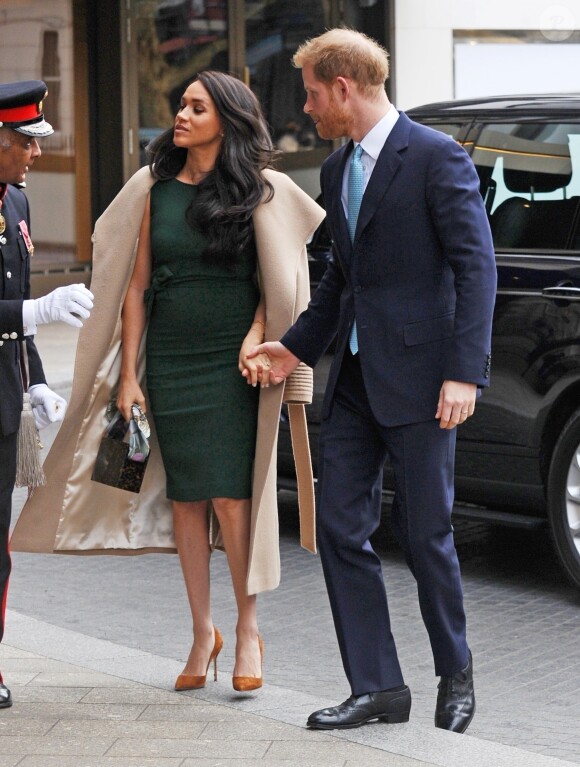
{"x": 69, "y": 303}
{"x": 282, "y": 362}
{"x": 456, "y": 403}
{"x": 47, "y": 406}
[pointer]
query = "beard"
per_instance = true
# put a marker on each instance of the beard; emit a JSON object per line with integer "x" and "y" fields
{"x": 336, "y": 122}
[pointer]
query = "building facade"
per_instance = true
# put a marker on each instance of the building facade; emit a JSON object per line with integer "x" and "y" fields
{"x": 116, "y": 69}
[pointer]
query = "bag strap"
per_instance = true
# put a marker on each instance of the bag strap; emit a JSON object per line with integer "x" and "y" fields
{"x": 303, "y": 463}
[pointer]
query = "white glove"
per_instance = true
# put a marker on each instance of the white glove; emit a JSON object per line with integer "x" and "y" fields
{"x": 63, "y": 304}
{"x": 47, "y": 406}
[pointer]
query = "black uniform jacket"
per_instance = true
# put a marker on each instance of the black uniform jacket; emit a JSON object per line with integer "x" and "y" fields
{"x": 14, "y": 288}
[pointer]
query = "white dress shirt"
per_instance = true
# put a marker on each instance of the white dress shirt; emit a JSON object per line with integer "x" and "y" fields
{"x": 372, "y": 145}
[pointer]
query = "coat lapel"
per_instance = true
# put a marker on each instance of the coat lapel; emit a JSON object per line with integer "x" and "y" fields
{"x": 385, "y": 170}
{"x": 335, "y": 209}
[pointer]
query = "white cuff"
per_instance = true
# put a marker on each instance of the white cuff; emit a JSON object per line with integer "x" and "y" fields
{"x": 28, "y": 323}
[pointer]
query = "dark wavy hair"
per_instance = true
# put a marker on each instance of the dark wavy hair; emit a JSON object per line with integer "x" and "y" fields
{"x": 228, "y": 196}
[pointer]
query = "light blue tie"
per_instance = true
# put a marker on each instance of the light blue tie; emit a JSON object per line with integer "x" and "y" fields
{"x": 355, "y": 195}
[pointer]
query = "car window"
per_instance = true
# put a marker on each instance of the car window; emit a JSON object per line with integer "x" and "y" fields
{"x": 451, "y": 129}
{"x": 530, "y": 181}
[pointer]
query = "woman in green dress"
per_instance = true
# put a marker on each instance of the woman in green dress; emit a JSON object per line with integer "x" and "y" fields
{"x": 194, "y": 286}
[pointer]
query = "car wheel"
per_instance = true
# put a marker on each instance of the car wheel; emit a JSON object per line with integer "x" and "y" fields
{"x": 564, "y": 498}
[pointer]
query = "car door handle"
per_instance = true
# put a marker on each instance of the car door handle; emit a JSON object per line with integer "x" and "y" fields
{"x": 566, "y": 292}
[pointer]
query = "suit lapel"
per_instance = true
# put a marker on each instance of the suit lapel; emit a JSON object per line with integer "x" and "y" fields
{"x": 335, "y": 207}
{"x": 384, "y": 172}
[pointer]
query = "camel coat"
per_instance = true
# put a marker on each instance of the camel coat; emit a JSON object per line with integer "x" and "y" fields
{"x": 71, "y": 513}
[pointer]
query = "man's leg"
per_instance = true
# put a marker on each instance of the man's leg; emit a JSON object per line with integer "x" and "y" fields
{"x": 422, "y": 455}
{"x": 7, "y": 478}
{"x": 350, "y": 462}
{"x": 423, "y": 459}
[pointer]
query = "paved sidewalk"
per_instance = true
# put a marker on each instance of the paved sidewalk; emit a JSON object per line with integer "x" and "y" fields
{"x": 65, "y": 715}
{"x": 85, "y": 702}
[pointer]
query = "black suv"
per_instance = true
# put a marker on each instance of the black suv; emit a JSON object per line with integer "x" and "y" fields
{"x": 518, "y": 457}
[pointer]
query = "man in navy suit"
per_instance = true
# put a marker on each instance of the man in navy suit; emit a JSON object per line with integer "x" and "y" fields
{"x": 409, "y": 295}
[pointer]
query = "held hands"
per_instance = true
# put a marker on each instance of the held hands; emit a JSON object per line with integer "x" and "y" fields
{"x": 280, "y": 362}
{"x": 69, "y": 303}
{"x": 254, "y": 369}
{"x": 47, "y": 406}
{"x": 456, "y": 403}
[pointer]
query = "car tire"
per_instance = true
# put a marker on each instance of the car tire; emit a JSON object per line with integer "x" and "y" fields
{"x": 564, "y": 498}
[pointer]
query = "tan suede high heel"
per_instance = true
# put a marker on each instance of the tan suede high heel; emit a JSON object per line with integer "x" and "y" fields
{"x": 249, "y": 683}
{"x": 196, "y": 682}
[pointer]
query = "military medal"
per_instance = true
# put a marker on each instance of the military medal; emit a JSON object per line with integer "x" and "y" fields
{"x": 3, "y": 190}
{"x": 27, "y": 241}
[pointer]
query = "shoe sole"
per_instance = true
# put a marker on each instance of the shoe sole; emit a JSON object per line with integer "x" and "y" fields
{"x": 395, "y": 718}
{"x": 6, "y": 704}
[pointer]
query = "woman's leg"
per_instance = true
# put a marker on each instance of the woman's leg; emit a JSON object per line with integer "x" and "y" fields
{"x": 234, "y": 518}
{"x": 190, "y": 525}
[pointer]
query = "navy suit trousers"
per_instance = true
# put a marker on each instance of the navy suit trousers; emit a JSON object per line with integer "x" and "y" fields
{"x": 353, "y": 450}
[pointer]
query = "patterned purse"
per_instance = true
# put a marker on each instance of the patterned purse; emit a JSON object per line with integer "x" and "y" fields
{"x": 123, "y": 451}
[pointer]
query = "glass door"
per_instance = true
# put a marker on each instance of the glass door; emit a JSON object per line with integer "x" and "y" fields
{"x": 173, "y": 39}
{"x": 274, "y": 30}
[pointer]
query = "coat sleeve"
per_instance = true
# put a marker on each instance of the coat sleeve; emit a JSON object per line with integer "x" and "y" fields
{"x": 459, "y": 217}
{"x": 315, "y": 328}
{"x": 10, "y": 316}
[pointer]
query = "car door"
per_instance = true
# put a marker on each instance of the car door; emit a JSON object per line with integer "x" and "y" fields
{"x": 530, "y": 181}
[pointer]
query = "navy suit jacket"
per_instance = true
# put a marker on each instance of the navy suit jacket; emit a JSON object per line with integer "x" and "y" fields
{"x": 14, "y": 288}
{"x": 420, "y": 277}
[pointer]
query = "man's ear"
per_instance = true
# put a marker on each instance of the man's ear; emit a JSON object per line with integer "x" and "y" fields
{"x": 343, "y": 87}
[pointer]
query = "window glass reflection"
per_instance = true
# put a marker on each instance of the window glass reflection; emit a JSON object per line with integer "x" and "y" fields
{"x": 274, "y": 30}
{"x": 175, "y": 39}
{"x": 530, "y": 179}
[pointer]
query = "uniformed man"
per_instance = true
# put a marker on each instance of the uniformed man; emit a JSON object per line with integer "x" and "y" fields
{"x": 21, "y": 124}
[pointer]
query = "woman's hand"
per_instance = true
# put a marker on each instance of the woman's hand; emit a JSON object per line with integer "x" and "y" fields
{"x": 281, "y": 361}
{"x": 255, "y": 370}
{"x": 129, "y": 393}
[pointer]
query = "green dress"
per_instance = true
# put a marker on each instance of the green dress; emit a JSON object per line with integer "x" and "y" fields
{"x": 204, "y": 412}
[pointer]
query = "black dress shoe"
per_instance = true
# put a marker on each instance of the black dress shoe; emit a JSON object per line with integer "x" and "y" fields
{"x": 456, "y": 700}
{"x": 387, "y": 706}
{"x": 5, "y": 697}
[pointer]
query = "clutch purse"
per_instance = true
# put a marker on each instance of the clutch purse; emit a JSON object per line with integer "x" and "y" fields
{"x": 123, "y": 451}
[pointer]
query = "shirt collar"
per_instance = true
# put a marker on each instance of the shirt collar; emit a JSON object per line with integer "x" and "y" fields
{"x": 375, "y": 139}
